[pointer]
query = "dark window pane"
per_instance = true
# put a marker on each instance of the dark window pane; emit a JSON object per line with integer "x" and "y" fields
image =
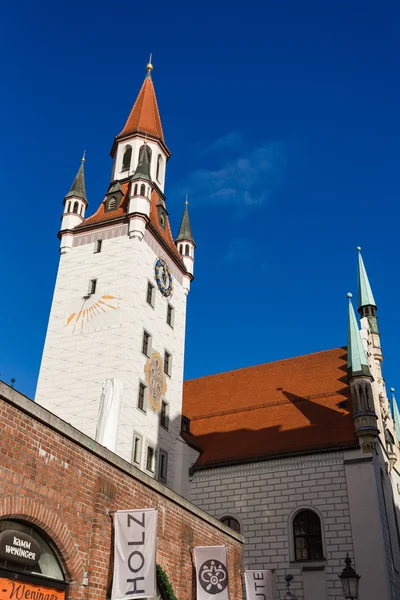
{"x": 307, "y": 536}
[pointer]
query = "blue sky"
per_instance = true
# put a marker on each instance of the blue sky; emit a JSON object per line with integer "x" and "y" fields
{"x": 283, "y": 121}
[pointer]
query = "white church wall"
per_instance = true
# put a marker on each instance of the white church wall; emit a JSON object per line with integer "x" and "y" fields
{"x": 82, "y": 351}
{"x": 264, "y": 495}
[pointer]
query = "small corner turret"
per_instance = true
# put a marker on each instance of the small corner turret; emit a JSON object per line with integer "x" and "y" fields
{"x": 75, "y": 204}
{"x": 360, "y": 378}
{"x": 185, "y": 242}
{"x": 141, "y": 186}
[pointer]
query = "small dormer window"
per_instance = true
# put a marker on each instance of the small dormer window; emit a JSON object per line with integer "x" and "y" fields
{"x": 112, "y": 203}
{"x": 162, "y": 219}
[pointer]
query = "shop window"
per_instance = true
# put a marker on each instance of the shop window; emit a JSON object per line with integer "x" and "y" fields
{"x": 48, "y": 563}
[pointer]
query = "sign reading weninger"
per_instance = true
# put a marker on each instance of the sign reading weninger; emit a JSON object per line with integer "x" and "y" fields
{"x": 259, "y": 585}
{"x": 211, "y": 572}
{"x": 135, "y": 554}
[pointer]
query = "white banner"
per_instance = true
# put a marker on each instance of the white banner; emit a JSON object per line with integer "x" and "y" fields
{"x": 259, "y": 585}
{"x": 211, "y": 572}
{"x": 134, "y": 554}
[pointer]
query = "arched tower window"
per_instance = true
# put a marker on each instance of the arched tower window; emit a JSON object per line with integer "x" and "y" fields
{"x": 68, "y": 207}
{"x": 187, "y": 250}
{"x": 232, "y": 523}
{"x": 135, "y": 190}
{"x": 307, "y": 536}
{"x": 147, "y": 149}
{"x": 180, "y": 249}
{"x": 48, "y": 563}
{"x": 142, "y": 190}
{"x": 76, "y": 207}
{"x": 159, "y": 167}
{"x": 126, "y": 160}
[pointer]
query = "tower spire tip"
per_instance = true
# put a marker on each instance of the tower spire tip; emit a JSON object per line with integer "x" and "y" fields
{"x": 349, "y": 295}
{"x": 358, "y": 248}
{"x": 149, "y": 65}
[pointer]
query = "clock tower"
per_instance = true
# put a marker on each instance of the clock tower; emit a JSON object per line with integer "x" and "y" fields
{"x": 112, "y": 363}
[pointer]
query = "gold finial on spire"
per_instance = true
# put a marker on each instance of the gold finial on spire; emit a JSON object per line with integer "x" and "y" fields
{"x": 84, "y": 156}
{"x": 149, "y": 65}
{"x": 186, "y": 201}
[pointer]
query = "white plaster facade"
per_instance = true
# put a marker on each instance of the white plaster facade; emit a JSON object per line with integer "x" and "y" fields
{"x": 78, "y": 358}
{"x": 339, "y": 486}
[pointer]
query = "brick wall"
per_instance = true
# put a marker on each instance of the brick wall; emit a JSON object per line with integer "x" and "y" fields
{"x": 65, "y": 483}
{"x": 263, "y": 497}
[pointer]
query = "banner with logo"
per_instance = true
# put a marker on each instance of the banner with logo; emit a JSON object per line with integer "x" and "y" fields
{"x": 135, "y": 534}
{"x": 211, "y": 572}
{"x": 259, "y": 585}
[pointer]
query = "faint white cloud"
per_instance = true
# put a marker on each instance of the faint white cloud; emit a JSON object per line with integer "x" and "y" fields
{"x": 247, "y": 179}
{"x": 232, "y": 141}
{"x": 238, "y": 249}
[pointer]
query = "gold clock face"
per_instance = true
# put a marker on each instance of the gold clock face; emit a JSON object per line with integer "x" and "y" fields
{"x": 93, "y": 315}
{"x": 163, "y": 278}
{"x": 155, "y": 380}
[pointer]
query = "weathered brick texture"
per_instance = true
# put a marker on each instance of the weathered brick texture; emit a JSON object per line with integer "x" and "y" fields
{"x": 59, "y": 479}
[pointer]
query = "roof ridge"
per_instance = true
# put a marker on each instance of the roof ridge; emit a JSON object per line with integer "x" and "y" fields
{"x": 266, "y": 363}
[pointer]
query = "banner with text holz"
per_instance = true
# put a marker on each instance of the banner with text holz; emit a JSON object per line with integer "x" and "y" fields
{"x": 259, "y": 585}
{"x": 211, "y": 572}
{"x": 134, "y": 554}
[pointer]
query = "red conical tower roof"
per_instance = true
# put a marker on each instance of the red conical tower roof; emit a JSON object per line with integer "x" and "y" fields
{"x": 144, "y": 116}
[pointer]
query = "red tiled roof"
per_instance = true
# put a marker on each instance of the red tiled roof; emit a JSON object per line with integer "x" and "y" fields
{"x": 145, "y": 116}
{"x": 101, "y": 216}
{"x": 299, "y": 404}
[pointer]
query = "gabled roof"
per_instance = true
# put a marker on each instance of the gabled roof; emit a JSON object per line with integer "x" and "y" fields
{"x": 144, "y": 116}
{"x": 300, "y": 404}
{"x": 101, "y": 216}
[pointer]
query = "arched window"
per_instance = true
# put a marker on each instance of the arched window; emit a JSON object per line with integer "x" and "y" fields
{"x": 112, "y": 203}
{"x": 142, "y": 190}
{"x": 159, "y": 167}
{"x": 147, "y": 149}
{"x": 135, "y": 190}
{"x": 81, "y": 211}
{"x": 307, "y": 536}
{"x": 232, "y": 523}
{"x": 76, "y": 207}
{"x": 69, "y": 207}
{"x": 187, "y": 250}
{"x": 48, "y": 563}
{"x": 126, "y": 161}
{"x": 180, "y": 249}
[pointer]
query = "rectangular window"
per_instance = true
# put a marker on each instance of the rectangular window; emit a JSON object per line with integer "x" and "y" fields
{"x": 164, "y": 414}
{"x": 137, "y": 450}
{"x": 170, "y": 315}
{"x": 150, "y": 294}
{"x": 92, "y": 286}
{"x": 167, "y": 363}
{"x": 163, "y": 466}
{"x": 97, "y": 246}
{"x": 150, "y": 459}
{"x": 142, "y": 397}
{"x": 185, "y": 424}
{"x": 146, "y": 343}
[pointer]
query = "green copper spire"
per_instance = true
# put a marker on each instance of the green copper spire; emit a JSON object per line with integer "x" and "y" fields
{"x": 396, "y": 415}
{"x": 357, "y": 363}
{"x": 365, "y": 296}
{"x": 185, "y": 230}
{"x": 78, "y": 189}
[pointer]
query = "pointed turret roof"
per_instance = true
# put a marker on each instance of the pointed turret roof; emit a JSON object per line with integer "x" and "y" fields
{"x": 143, "y": 167}
{"x": 365, "y": 295}
{"x": 144, "y": 116}
{"x": 185, "y": 230}
{"x": 357, "y": 363}
{"x": 78, "y": 189}
{"x": 396, "y": 415}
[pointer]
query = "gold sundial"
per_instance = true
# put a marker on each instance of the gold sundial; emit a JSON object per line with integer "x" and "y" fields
{"x": 93, "y": 314}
